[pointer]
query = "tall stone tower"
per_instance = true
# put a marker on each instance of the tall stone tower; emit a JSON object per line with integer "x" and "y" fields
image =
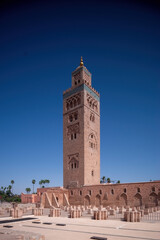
{"x": 81, "y": 131}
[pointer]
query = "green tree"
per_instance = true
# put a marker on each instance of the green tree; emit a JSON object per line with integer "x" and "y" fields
{"x": 103, "y": 179}
{"x": 28, "y": 190}
{"x": 118, "y": 181}
{"x": 8, "y": 192}
{"x": 43, "y": 182}
{"x": 12, "y": 182}
{"x": 33, "y": 182}
{"x": 40, "y": 182}
{"x": 47, "y": 181}
{"x": 108, "y": 180}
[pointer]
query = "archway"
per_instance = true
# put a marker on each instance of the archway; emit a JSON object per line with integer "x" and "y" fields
{"x": 137, "y": 200}
{"x": 153, "y": 199}
{"x": 98, "y": 200}
{"x": 87, "y": 200}
{"x": 123, "y": 199}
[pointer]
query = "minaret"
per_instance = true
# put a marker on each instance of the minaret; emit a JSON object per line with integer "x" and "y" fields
{"x": 81, "y": 131}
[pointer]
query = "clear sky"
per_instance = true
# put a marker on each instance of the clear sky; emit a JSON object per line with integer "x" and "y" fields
{"x": 41, "y": 43}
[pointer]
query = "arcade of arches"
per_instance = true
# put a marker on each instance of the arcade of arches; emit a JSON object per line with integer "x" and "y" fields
{"x": 132, "y": 194}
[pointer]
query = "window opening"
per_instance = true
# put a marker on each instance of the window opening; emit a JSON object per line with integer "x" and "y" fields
{"x": 70, "y": 118}
{"x": 75, "y": 116}
{"x": 75, "y": 103}
{"x": 138, "y": 190}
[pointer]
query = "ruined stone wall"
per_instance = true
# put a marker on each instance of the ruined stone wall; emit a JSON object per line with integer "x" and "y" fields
{"x": 60, "y": 194}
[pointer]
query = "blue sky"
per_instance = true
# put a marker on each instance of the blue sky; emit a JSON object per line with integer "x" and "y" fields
{"x": 40, "y": 45}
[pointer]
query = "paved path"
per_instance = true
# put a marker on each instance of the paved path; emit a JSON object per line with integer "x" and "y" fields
{"x": 84, "y": 229}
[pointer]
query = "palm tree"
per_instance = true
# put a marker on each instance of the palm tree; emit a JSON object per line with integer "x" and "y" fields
{"x": 108, "y": 180}
{"x": 12, "y": 182}
{"x": 33, "y": 182}
{"x": 28, "y": 190}
{"x": 103, "y": 179}
{"x": 40, "y": 182}
{"x": 43, "y": 182}
{"x": 47, "y": 181}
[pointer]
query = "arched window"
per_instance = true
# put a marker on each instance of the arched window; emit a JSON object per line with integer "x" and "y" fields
{"x": 67, "y": 106}
{"x": 75, "y": 116}
{"x": 75, "y": 103}
{"x": 100, "y": 191}
{"x": 92, "y": 141}
{"x": 78, "y": 101}
{"x": 153, "y": 189}
{"x": 70, "y": 118}
{"x": 92, "y": 173}
{"x": 89, "y": 192}
{"x": 73, "y": 164}
{"x": 138, "y": 189}
{"x": 112, "y": 191}
{"x": 125, "y": 190}
{"x": 71, "y": 136}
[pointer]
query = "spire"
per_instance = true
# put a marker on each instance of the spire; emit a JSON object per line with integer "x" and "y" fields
{"x": 81, "y": 63}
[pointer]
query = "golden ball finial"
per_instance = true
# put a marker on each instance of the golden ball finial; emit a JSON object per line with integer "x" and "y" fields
{"x": 81, "y": 63}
